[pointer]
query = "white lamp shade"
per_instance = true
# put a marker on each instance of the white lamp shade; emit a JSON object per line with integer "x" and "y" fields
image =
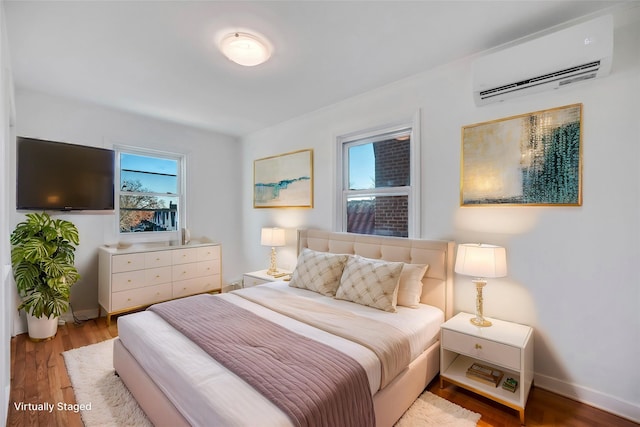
{"x": 480, "y": 260}
{"x": 245, "y": 49}
{"x": 272, "y": 237}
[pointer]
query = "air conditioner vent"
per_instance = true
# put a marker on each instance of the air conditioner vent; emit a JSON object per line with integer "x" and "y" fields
{"x": 579, "y": 73}
{"x": 547, "y": 62}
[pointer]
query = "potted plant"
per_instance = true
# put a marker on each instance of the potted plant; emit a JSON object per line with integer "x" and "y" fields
{"x": 42, "y": 258}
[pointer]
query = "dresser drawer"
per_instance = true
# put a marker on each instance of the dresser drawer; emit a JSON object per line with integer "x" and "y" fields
{"x": 198, "y": 285}
{"x": 156, "y": 276}
{"x": 128, "y": 280}
{"x": 157, "y": 259}
{"x": 480, "y": 348}
{"x": 184, "y": 256}
{"x": 140, "y": 297}
{"x": 184, "y": 271}
{"x": 207, "y": 268}
{"x": 127, "y": 262}
{"x": 208, "y": 253}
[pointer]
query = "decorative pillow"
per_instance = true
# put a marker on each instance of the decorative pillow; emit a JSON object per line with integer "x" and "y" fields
{"x": 370, "y": 282}
{"x": 410, "y": 288}
{"x": 318, "y": 271}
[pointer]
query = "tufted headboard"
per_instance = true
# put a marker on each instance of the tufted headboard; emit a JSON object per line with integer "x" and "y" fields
{"x": 438, "y": 280}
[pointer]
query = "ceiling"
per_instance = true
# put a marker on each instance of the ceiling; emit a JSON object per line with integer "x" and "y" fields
{"x": 159, "y": 58}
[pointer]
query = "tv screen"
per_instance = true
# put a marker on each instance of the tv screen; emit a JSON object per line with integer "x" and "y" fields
{"x": 59, "y": 176}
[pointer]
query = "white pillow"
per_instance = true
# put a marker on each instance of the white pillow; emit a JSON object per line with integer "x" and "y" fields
{"x": 370, "y": 282}
{"x": 318, "y": 271}
{"x": 410, "y": 288}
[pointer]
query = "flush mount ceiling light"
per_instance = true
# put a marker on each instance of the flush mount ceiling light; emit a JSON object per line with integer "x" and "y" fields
{"x": 245, "y": 49}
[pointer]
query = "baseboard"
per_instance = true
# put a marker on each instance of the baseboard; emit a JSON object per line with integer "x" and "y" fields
{"x": 597, "y": 399}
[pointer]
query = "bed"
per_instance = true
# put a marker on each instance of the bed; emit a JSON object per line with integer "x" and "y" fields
{"x": 177, "y": 383}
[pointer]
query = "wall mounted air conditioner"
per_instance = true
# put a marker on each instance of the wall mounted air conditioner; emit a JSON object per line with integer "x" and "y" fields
{"x": 575, "y": 54}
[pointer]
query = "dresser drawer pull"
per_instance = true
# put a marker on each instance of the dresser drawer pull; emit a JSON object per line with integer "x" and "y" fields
{"x": 128, "y": 299}
{"x": 157, "y": 276}
{"x": 478, "y": 347}
{"x": 129, "y": 281}
{"x": 128, "y": 262}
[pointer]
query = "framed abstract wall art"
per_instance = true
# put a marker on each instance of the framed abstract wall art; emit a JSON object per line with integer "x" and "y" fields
{"x": 285, "y": 180}
{"x": 533, "y": 159}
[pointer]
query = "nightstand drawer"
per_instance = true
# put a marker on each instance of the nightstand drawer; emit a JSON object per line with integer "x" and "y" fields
{"x": 480, "y": 348}
{"x": 249, "y": 281}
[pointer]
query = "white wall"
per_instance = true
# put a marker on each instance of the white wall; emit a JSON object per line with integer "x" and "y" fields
{"x": 211, "y": 169}
{"x": 573, "y": 271}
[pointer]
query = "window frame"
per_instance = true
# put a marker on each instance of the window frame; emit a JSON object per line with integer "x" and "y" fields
{"x": 412, "y": 191}
{"x": 152, "y": 236}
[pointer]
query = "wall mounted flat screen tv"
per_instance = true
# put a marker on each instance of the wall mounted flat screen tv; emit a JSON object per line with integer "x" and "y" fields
{"x": 60, "y": 176}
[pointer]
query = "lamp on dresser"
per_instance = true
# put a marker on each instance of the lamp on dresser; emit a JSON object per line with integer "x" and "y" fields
{"x": 481, "y": 261}
{"x": 272, "y": 236}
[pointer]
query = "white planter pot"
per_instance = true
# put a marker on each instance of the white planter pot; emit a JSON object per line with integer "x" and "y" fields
{"x": 42, "y": 328}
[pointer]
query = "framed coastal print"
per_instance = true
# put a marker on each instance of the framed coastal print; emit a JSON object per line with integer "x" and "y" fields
{"x": 285, "y": 180}
{"x": 533, "y": 159}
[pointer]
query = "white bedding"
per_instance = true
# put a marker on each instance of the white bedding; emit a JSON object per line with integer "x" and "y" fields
{"x": 207, "y": 394}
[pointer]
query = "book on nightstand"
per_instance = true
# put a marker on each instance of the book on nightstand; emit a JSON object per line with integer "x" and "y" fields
{"x": 510, "y": 384}
{"x": 485, "y": 374}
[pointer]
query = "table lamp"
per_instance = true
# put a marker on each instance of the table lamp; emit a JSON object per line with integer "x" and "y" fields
{"x": 481, "y": 262}
{"x": 273, "y": 237}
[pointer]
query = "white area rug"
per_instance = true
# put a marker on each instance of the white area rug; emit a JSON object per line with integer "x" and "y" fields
{"x": 432, "y": 410}
{"x": 92, "y": 375}
{"x": 94, "y": 382}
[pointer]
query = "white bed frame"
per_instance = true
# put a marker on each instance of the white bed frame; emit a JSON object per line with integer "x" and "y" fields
{"x": 391, "y": 402}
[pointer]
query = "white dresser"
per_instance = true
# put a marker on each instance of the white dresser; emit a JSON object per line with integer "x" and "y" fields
{"x": 133, "y": 278}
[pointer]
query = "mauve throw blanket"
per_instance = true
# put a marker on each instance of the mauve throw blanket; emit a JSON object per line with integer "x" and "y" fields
{"x": 314, "y": 384}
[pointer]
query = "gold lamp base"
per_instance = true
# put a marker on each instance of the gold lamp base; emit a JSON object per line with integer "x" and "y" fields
{"x": 273, "y": 270}
{"x": 479, "y": 320}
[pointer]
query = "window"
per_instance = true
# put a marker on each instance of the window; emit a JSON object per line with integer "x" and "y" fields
{"x": 378, "y": 181}
{"x": 150, "y": 196}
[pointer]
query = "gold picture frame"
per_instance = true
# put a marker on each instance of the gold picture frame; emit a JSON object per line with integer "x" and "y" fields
{"x": 532, "y": 159}
{"x": 284, "y": 181}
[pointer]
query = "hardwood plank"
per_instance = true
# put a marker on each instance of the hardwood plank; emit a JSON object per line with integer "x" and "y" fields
{"x": 42, "y": 352}
{"x": 544, "y": 408}
{"x": 32, "y": 361}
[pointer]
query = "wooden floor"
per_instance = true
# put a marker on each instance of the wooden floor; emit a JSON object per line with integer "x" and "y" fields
{"x": 38, "y": 375}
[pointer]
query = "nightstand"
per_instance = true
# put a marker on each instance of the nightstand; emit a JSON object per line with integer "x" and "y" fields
{"x": 259, "y": 277}
{"x": 505, "y": 346}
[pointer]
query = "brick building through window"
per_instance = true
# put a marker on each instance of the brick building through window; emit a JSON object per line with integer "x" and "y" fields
{"x": 380, "y": 204}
